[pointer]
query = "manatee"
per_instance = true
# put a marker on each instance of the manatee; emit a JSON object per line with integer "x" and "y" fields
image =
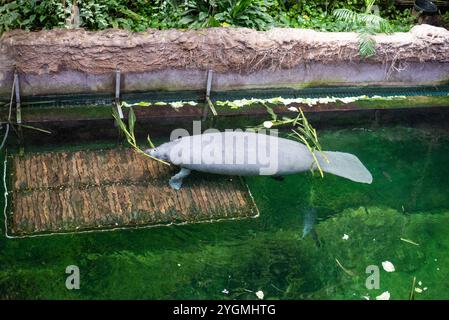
{"x": 252, "y": 154}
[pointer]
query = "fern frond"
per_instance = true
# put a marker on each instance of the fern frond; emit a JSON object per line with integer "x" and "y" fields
{"x": 369, "y": 5}
{"x": 345, "y": 15}
{"x": 368, "y": 25}
{"x": 374, "y": 22}
{"x": 367, "y": 44}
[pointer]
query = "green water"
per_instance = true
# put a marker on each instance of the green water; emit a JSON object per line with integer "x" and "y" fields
{"x": 408, "y": 199}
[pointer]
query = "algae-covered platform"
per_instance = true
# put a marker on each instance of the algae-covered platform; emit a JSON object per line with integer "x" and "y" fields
{"x": 104, "y": 189}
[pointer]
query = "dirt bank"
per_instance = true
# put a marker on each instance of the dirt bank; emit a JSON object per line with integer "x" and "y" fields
{"x": 237, "y": 50}
{"x": 76, "y": 61}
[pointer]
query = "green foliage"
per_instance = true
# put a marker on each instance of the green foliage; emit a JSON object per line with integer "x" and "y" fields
{"x": 93, "y": 14}
{"x": 139, "y": 15}
{"x": 318, "y": 15}
{"x": 128, "y": 131}
{"x": 8, "y": 16}
{"x": 446, "y": 19}
{"x": 242, "y": 13}
{"x": 101, "y": 14}
{"x": 367, "y": 44}
{"x": 369, "y": 21}
{"x": 366, "y": 23}
{"x": 32, "y": 14}
{"x": 127, "y": 14}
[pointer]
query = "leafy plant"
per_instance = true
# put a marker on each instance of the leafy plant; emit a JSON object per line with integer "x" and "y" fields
{"x": 366, "y": 23}
{"x": 30, "y": 15}
{"x": 101, "y": 14}
{"x": 139, "y": 15}
{"x": 94, "y": 15}
{"x": 446, "y": 19}
{"x": 166, "y": 14}
{"x": 128, "y": 131}
{"x": 8, "y": 16}
{"x": 211, "y": 13}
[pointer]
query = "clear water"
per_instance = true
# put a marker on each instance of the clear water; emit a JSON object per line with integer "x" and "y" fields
{"x": 408, "y": 199}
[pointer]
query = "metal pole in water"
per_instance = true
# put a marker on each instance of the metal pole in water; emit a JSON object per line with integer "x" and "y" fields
{"x": 18, "y": 112}
{"x": 209, "y": 104}
{"x": 117, "y": 93}
{"x": 117, "y": 104}
{"x": 17, "y": 92}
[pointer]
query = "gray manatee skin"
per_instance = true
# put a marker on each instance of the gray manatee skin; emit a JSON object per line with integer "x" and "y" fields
{"x": 253, "y": 154}
{"x": 236, "y": 153}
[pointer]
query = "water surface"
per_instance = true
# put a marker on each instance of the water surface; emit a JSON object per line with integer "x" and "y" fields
{"x": 408, "y": 199}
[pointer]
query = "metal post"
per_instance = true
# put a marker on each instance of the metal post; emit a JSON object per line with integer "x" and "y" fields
{"x": 17, "y": 91}
{"x": 18, "y": 113}
{"x": 209, "y": 83}
{"x": 117, "y": 93}
{"x": 117, "y": 105}
{"x": 209, "y": 104}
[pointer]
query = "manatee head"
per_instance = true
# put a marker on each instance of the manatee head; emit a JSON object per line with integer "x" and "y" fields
{"x": 161, "y": 152}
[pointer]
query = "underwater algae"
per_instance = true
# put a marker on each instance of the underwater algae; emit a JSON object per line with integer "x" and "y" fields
{"x": 408, "y": 199}
{"x": 301, "y": 270}
{"x": 374, "y": 237}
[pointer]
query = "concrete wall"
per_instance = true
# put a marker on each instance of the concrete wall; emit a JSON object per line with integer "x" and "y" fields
{"x": 66, "y": 82}
{"x": 48, "y": 63}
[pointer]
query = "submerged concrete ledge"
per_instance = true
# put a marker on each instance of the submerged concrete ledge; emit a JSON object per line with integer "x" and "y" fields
{"x": 77, "y": 61}
{"x": 114, "y": 188}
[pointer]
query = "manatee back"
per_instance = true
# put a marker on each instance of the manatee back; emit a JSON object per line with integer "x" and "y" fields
{"x": 240, "y": 153}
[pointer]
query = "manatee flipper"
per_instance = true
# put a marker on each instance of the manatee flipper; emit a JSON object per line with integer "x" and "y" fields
{"x": 345, "y": 165}
{"x": 176, "y": 181}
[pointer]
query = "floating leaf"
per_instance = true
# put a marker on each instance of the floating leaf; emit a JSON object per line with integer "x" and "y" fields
{"x": 388, "y": 266}
{"x": 383, "y": 296}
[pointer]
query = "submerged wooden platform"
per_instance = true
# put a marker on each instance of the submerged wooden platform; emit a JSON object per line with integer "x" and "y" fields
{"x": 85, "y": 190}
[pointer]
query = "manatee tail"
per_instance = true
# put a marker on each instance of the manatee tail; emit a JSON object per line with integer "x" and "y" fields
{"x": 345, "y": 165}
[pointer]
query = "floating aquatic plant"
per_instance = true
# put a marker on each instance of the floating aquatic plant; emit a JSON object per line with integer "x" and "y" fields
{"x": 236, "y": 104}
{"x": 347, "y": 271}
{"x": 409, "y": 241}
{"x": 412, "y": 290}
{"x": 129, "y": 132}
{"x": 175, "y": 104}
